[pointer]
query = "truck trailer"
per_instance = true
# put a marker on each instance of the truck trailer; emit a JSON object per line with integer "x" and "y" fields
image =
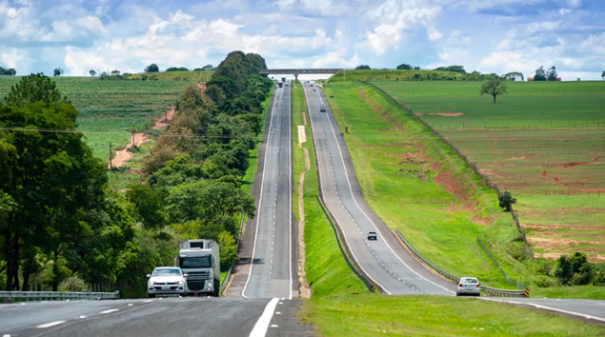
{"x": 200, "y": 262}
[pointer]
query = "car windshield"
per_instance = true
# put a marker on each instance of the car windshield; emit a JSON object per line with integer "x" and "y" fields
{"x": 167, "y": 272}
{"x": 470, "y": 280}
{"x": 196, "y": 262}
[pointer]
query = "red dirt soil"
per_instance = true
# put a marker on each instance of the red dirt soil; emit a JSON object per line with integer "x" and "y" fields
{"x": 446, "y": 114}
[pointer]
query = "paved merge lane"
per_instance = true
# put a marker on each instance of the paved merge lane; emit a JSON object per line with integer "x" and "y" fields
{"x": 385, "y": 262}
{"x": 271, "y": 271}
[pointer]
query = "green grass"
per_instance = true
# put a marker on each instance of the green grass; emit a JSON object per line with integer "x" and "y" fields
{"x": 397, "y": 162}
{"x": 190, "y": 76}
{"x": 375, "y": 315}
{"x": 110, "y": 109}
{"x": 542, "y": 141}
{"x": 388, "y": 75}
{"x": 580, "y": 292}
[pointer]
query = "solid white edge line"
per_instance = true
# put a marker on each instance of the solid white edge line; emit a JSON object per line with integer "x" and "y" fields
{"x": 540, "y": 306}
{"x": 260, "y": 200}
{"x": 364, "y": 213}
{"x": 108, "y": 311}
{"x": 48, "y": 325}
{"x": 324, "y": 193}
{"x": 261, "y": 326}
{"x": 290, "y": 190}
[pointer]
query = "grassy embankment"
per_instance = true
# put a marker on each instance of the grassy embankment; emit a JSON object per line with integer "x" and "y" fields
{"x": 335, "y": 310}
{"x": 415, "y": 183}
{"x": 190, "y": 76}
{"x": 390, "y": 75}
{"x": 542, "y": 141}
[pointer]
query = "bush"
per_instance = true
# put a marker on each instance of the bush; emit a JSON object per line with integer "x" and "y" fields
{"x": 574, "y": 270}
{"x": 73, "y": 283}
{"x": 134, "y": 149}
{"x": 599, "y": 275}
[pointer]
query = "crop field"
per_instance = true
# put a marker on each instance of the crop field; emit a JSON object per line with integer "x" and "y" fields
{"x": 544, "y": 142}
{"x": 191, "y": 76}
{"x": 110, "y": 110}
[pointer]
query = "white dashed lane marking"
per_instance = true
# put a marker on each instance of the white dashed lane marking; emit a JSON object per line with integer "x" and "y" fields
{"x": 109, "y": 311}
{"x": 51, "y": 324}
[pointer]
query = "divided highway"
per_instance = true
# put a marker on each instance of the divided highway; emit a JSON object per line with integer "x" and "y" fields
{"x": 271, "y": 269}
{"x": 384, "y": 261}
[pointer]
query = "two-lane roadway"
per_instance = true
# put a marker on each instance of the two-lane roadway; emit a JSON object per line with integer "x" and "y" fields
{"x": 271, "y": 270}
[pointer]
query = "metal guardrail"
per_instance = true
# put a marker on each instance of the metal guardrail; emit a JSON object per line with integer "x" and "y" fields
{"x": 508, "y": 278}
{"x": 23, "y": 296}
{"x": 239, "y": 237}
{"x": 456, "y": 279}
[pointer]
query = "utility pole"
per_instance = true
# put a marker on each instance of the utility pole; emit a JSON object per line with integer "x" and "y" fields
{"x": 110, "y": 156}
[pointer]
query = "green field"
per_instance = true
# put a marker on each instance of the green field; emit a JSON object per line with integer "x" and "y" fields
{"x": 109, "y": 109}
{"x": 391, "y": 75}
{"x": 191, "y": 76}
{"x": 340, "y": 305}
{"x": 544, "y": 142}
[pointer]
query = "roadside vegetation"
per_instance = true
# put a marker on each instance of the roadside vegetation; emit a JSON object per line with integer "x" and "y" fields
{"x": 341, "y": 305}
{"x": 61, "y": 225}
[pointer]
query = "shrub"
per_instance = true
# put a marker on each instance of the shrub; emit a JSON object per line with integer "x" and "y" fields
{"x": 73, "y": 283}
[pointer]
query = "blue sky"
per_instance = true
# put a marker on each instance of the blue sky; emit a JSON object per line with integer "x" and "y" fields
{"x": 486, "y": 35}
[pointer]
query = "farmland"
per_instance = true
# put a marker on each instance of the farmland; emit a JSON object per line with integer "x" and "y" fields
{"x": 544, "y": 142}
{"x": 192, "y": 76}
{"x": 109, "y": 110}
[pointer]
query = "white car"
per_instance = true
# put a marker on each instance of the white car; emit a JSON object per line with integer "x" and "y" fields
{"x": 166, "y": 281}
{"x": 468, "y": 286}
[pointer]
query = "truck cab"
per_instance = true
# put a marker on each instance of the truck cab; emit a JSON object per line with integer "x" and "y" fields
{"x": 200, "y": 262}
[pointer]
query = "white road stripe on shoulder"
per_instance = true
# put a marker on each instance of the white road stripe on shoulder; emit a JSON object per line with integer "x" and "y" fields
{"x": 147, "y": 301}
{"x": 109, "y": 311}
{"x": 48, "y": 325}
{"x": 539, "y": 306}
{"x": 261, "y": 326}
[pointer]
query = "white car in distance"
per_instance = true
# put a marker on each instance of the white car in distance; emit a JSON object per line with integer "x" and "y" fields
{"x": 468, "y": 286}
{"x": 166, "y": 281}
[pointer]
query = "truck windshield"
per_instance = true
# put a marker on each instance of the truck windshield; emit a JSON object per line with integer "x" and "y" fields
{"x": 196, "y": 262}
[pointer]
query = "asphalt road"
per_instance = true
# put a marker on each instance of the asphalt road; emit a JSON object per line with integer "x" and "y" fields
{"x": 384, "y": 261}
{"x": 271, "y": 272}
{"x": 147, "y": 318}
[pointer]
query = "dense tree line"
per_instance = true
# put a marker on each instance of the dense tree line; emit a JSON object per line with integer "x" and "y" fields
{"x": 61, "y": 224}
{"x": 7, "y": 72}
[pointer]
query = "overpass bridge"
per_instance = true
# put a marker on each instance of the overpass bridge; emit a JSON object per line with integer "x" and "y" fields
{"x": 297, "y": 72}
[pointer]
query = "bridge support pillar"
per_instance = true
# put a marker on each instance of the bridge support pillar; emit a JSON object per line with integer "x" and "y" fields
{"x": 295, "y": 78}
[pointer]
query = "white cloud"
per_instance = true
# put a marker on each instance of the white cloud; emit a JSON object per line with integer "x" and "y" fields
{"x": 393, "y": 17}
{"x": 564, "y": 11}
{"x": 16, "y": 58}
{"x": 336, "y": 59}
{"x": 321, "y": 7}
{"x": 594, "y": 44}
{"x": 68, "y": 30}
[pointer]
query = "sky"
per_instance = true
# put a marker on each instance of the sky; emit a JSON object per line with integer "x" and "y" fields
{"x": 498, "y": 36}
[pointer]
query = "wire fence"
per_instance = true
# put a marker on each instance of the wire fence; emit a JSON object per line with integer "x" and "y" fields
{"x": 510, "y": 280}
{"x": 473, "y": 165}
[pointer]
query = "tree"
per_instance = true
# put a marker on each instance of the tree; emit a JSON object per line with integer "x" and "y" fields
{"x": 8, "y": 72}
{"x": 115, "y": 73}
{"x": 603, "y": 75}
{"x": 34, "y": 88}
{"x": 493, "y": 88}
{"x": 540, "y": 74}
{"x": 149, "y": 203}
{"x": 152, "y": 68}
{"x": 574, "y": 269}
{"x": 551, "y": 74}
{"x": 363, "y": 67}
{"x": 514, "y": 76}
{"x": 207, "y": 67}
{"x": 404, "y": 66}
{"x": 57, "y": 72}
{"x": 92, "y": 73}
{"x": 506, "y": 201}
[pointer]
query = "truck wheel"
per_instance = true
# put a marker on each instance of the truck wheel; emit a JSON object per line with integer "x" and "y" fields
{"x": 217, "y": 290}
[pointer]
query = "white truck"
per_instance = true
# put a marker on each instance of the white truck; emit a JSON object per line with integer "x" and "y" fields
{"x": 200, "y": 262}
